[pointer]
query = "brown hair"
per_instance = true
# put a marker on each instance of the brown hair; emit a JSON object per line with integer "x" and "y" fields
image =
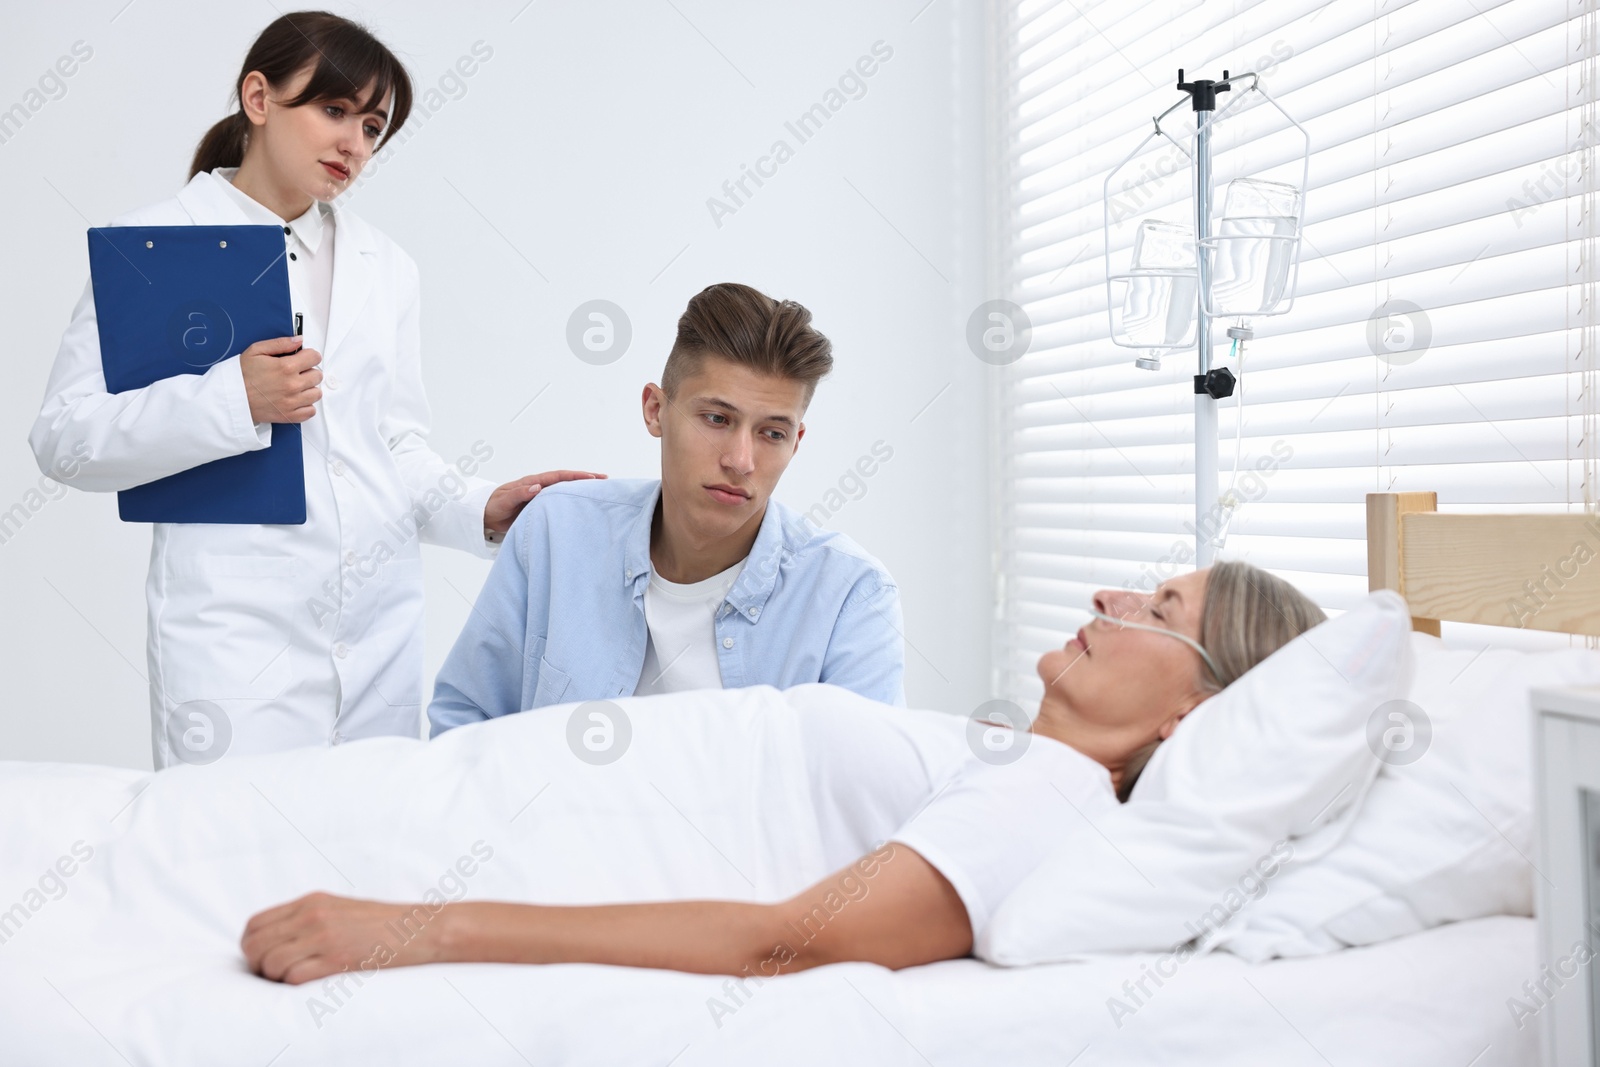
{"x": 745, "y": 326}
{"x": 1248, "y": 615}
{"x": 347, "y": 58}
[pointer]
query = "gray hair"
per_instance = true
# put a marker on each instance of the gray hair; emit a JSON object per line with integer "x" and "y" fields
{"x": 1248, "y": 615}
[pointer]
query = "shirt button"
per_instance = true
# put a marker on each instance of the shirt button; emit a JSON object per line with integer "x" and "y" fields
{"x": 287, "y": 231}
{"x": 628, "y": 575}
{"x": 341, "y": 650}
{"x": 349, "y": 559}
{"x": 338, "y": 467}
{"x": 754, "y": 612}
{"x": 293, "y": 256}
{"x": 727, "y": 642}
{"x": 331, "y": 381}
{"x": 336, "y": 738}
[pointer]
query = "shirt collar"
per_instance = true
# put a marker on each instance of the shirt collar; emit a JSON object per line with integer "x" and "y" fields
{"x": 756, "y": 581}
{"x": 307, "y": 229}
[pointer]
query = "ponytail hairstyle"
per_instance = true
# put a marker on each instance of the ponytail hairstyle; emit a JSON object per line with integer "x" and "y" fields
{"x": 347, "y": 57}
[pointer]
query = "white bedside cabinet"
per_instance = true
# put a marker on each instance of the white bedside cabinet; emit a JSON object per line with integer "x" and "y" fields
{"x": 1567, "y": 787}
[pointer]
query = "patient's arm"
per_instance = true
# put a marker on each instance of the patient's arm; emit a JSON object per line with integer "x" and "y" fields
{"x": 900, "y": 914}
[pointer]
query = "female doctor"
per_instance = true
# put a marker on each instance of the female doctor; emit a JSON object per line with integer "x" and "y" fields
{"x": 268, "y": 637}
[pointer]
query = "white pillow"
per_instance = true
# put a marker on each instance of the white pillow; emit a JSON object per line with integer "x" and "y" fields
{"x": 1248, "y": 767}
{"x": 1445, "y": 833}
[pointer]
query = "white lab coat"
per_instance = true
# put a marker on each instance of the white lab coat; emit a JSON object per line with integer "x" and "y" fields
{"x": 300, "y": 635}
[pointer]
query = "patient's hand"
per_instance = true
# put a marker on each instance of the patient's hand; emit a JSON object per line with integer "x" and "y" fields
{"x": 507, "y": 502}
{"x": 321, "y": 934}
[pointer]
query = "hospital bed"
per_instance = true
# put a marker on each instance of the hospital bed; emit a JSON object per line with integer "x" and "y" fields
{"x": 120, "y": 990}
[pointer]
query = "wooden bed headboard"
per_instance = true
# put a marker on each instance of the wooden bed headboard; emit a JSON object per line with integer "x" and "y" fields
{"x": 1535, "y": 571}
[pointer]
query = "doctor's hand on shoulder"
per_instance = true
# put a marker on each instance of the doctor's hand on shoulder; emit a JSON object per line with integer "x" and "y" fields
{"x": 281, "y": 388}
{"x": 507, "y": 502}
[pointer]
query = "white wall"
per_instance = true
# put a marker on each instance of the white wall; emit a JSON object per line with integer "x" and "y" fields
{"x": 584, "y": 150}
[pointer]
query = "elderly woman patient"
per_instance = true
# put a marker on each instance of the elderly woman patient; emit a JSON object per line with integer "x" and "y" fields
{"x": 938, "y": 869}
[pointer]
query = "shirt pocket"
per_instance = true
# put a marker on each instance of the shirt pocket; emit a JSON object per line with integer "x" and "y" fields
{"x": 553, "y": 683}
{"x": 225, "y": 626}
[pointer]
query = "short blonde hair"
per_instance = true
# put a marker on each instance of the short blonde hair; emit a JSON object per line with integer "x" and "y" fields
{"x": 1248, "y": 615}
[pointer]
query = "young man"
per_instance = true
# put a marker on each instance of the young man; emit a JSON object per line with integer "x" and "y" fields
{"x": 699, "y": 580}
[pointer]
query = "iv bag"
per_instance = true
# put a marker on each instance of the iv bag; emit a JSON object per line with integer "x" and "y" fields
{"x": 1253, "y": 252}
{"x": 1158, "y": 307}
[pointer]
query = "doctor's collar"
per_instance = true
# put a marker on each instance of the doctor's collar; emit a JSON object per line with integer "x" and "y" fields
{"x": 309, "y": 228}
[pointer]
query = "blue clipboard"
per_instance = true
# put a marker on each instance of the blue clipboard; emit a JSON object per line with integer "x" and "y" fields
{"x": 176, "y": 300}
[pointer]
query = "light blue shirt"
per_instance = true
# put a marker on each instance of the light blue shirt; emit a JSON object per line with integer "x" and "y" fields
{"x": 561, "y": 616}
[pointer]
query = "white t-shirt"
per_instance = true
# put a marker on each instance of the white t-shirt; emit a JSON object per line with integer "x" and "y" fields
{"x": 879, "y": 773}
{"x": 681, "y": 651}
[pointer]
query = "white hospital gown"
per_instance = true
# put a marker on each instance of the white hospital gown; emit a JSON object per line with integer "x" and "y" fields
{"x": 879, "y": 774}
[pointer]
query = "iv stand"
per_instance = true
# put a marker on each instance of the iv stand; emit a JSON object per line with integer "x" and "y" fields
{"x": 1203, "y": 93}
{"x": 1211, "y": 384}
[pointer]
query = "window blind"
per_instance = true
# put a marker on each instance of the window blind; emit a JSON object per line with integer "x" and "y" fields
{"x": 1451, "y": 172}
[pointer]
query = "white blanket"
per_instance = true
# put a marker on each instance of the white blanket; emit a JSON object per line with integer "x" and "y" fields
{"x": 123, "y": 896}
